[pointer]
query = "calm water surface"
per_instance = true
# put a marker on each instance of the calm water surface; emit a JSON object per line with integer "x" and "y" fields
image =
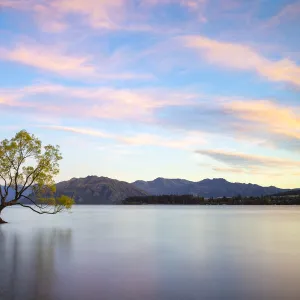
{"x": 151, "y": 252}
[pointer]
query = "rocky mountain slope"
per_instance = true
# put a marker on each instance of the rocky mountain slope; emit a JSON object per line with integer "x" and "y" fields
{"x": 98, "y": 190}
{"x": 217, "y": 187}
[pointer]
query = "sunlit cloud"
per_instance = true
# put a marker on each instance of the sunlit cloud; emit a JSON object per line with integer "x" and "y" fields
{"x": 268, "y": 116}
{"x": 243, "y": 58}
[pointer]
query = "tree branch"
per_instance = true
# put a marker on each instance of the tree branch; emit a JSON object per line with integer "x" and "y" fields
{"x": 32, "y": 181}
{"x": 15, "y": 201}
{"x": 16, "y": 180}
{"x": 40, "y": 206}
{"x": 40, "y": 212}
{"x": 29, "y": 200}
{"x": 8, "y": 186}
{"x": 2, "y": 196}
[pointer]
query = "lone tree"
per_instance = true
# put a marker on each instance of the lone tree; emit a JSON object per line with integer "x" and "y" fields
{"x": 27, "y": 171}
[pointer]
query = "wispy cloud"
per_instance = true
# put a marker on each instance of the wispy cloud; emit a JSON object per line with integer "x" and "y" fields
{"x": 249, "y": 171}
{"x": 59, "y": 61}
{"x": 76, "y": 130}
{"x": 49, "y": 59}
{"x": 195, "y": 6}
{"x": 265, "y": 123}
{"x": 247, "y": 161}
{"x": 289, "y": 12}
{"x": 268, "y": 116}
{"x": 55, "y": 15}
{"x": 227, "y": 170}
{"x": 144, "y": 139}
{"x": 243, "y": 58}
{"x": 98, "y": 103}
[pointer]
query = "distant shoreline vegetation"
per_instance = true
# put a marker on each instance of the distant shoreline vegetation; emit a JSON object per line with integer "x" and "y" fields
{"x": 196, "y": 200}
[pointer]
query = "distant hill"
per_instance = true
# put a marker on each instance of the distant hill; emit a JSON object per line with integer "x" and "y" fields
{"x": 162, "y": 186}
{"x": 98, "y": 190}
{"x": 217, "y": 187}
{"x": 294, "y": 192}
{"x": 11, "y": 193}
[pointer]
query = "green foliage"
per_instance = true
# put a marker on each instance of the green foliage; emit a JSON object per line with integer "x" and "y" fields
{"x": 25, "y": 164}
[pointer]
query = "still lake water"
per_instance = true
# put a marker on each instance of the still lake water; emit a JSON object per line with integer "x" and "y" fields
{"x": 151, "y": 252}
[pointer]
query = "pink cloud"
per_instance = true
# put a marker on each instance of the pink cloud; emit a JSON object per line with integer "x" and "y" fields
{"x": 58, "y": 60}
{"x": 48, "y": 59}
{"x": 99, "y": 14}
{"x": 241, "y": 57}
{"x": 54, "y": 15}
{"x": 257, "y": 121}
{"x": 104, "y": 103}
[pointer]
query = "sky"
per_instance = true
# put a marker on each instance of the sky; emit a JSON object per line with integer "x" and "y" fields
{"x": 140, "y": 89}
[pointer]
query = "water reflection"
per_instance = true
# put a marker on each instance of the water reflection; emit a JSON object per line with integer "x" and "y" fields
{"x": 29, "y": 265}
{"x": 152, "y": 253}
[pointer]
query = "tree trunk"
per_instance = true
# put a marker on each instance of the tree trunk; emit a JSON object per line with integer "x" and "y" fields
{"x": 2, "y": 221}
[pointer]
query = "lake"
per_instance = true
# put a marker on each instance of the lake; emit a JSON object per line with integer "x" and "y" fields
{"x": 151, "y": 252}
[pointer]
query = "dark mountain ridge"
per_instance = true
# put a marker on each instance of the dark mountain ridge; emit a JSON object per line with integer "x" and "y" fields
{"x": 217, "y": 187}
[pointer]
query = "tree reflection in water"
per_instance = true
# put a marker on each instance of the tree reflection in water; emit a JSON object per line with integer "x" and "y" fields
{"x": 28, "y": 262}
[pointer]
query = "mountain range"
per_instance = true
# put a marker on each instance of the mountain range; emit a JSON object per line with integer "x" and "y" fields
{"x": 103, "y": 190}
{"x": 217, "y": 187}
